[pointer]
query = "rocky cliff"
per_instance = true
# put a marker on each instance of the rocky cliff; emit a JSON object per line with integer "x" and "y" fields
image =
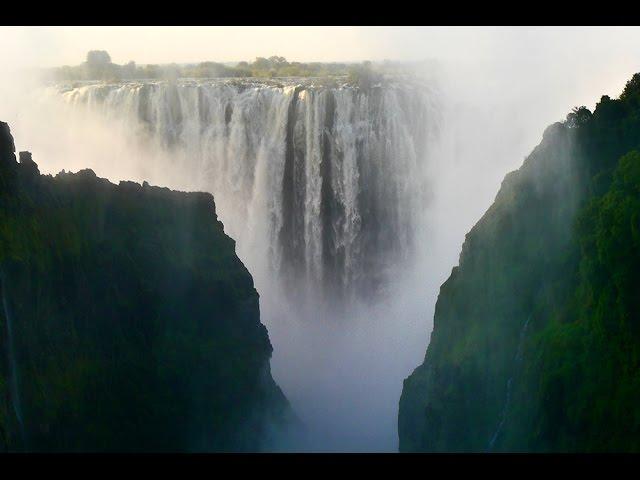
{"x": 127, "y": 322}
{"x": 536, "y": 339}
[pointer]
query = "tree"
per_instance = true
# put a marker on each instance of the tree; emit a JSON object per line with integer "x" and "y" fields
{"x": 99, "y": 66}
{"x": 129, "y": 70}
{"x": 363, "y": 75}
{"x": 262, "y": 63}
{"x": 98, "y": 58}
{"x": 632, "y": 88}
{"x": 278, "y": 61}
{"x": 578, "y": 116}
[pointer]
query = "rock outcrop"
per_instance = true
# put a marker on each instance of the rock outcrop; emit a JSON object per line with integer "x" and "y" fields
{"x": 128, "y": 323}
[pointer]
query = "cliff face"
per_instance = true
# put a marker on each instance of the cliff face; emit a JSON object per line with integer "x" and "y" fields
{"x": 536, "y": 339}
{"x": 127, "y": 323}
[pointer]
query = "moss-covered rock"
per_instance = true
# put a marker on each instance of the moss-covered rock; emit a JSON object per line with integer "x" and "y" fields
{"x": 129, "y": 323}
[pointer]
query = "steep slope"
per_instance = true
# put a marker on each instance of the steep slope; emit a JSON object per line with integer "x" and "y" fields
{"x": 127, "y": 323}
{"x": 535, "y": 344}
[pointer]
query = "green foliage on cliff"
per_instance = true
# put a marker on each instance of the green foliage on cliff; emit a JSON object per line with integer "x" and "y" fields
{"x": 135, "y": 325}
{"x": 588, "y": 357}
{"x": 535, "y": 344}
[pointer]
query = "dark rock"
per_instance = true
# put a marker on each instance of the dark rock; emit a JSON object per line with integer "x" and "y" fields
{"x": 135, "y": 325}
{"x": 28, "y": 165}
{"x": 7, "y": 146}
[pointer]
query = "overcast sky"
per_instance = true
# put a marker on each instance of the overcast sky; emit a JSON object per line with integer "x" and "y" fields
{"x": 548, "y": 68}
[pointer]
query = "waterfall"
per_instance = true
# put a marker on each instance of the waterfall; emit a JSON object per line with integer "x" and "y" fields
{"x": 517, "y": 359}
{"x": 323, "y": 187}
{"x": 319, "y": 185}
{"x": 14, "y": 390}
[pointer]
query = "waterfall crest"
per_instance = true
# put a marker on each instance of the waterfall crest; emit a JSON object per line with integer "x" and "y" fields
{"x": 331, "y": 177}
{"x": 326, "y": 190}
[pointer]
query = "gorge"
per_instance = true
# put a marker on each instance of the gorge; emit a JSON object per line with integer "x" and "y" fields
{"x": 321, "y": 183}
{"x": 346, "y": 200}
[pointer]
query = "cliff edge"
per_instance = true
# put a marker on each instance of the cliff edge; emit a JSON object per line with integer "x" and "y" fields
{"x": 127, "y": 322}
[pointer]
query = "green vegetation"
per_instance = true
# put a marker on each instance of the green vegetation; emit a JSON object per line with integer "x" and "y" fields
{"x": 135, "y": 325}
{"x": 536, "y": 338}
{"x": 587, "y": 367}
{"x": 98, "y": 66}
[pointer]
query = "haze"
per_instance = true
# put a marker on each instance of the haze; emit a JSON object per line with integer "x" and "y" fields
{"x": 575, "y": 65}
{"x": 498, "y": 88}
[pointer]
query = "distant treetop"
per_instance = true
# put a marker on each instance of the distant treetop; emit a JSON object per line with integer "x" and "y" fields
{"x": 98, "y": 66}
{"x": 98, "y": 57}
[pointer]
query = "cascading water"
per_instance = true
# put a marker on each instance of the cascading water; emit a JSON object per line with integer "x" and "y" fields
{"x": 324, "y": 189}
{"x": 324, "y": 182}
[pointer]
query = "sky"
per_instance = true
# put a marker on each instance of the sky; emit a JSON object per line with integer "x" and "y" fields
{"x": 597, "y": 60}
{"x": 50, "y": 46}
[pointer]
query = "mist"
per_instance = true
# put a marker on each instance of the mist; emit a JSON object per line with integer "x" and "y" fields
{"x": 495, "y": 90}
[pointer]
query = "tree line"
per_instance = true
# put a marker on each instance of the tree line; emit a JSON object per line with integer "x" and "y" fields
{"x": 98, "y": 66}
